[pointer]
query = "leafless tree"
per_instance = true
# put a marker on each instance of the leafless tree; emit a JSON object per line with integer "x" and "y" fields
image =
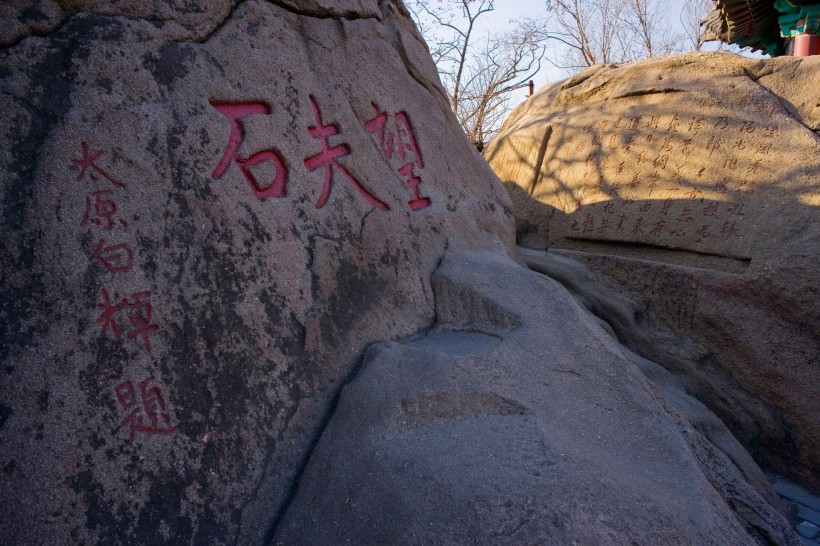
{"x": 692, "y": 14}
{"x": 451, "y": 51}
{"x": 610, "y": 31}
{"x": 590, "y": 30}
{"x": 505, "y": 63}
{"x": 643, "y": 18}
{"x": 478, "y": 72}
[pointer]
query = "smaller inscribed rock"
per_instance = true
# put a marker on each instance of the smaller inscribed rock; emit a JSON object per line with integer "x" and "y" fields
{"x": 692, "y": 181}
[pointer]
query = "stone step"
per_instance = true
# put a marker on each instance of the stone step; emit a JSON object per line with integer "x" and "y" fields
{"x": 807, "y": 514}
{"x": 807, "y": 529}
{"x": 797, "y": 494}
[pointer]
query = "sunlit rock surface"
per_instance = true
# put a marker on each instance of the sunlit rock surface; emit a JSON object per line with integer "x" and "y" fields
{"x": 693, "y": 184}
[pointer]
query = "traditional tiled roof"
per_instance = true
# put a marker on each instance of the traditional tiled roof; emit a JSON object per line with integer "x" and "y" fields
{"x": 747, "y": 23}
{"x": 762, "y": 24}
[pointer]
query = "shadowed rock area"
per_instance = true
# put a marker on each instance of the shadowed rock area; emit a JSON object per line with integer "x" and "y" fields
{"x": 551, "y": 436}
{"x": 688, "y": 188}
{"x": 257, "y": 288}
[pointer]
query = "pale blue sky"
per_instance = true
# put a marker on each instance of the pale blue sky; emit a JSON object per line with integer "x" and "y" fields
{"x": 507, "y": 10}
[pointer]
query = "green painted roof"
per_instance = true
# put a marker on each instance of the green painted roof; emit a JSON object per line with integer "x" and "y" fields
{"x": 761, "y": 24}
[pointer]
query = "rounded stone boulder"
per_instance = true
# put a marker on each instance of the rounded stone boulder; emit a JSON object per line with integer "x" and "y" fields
{"x": 691, "y": 183}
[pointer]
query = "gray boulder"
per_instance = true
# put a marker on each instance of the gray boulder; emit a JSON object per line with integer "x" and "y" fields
{"x": 518, "y": 420}
{"x": 214, "y": 215}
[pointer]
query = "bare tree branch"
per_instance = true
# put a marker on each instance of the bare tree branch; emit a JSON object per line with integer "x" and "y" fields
{"x": 479, "y": 73}
{"x": 691, "y": 16}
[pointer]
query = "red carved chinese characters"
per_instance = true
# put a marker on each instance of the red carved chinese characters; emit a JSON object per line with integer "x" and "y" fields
{"x": 235, "y": 113}
{"x": 100, "y": 210}
{"x": 137, "y": 310}
{"x": 114, "y": 258}
{"x": 149, "y": 417}
{"x": 393, "y": 132}
{"x": 400, "y": 137}
{"x": 327, "y": 159}
{"x": 145, "y": 407}
{"x": 89, "y": 162}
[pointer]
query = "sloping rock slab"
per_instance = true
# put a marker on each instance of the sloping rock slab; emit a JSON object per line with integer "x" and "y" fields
{"x": 202, "y": 231}
{"x": 693, "y": 182}
{"x": 520, "y": 421}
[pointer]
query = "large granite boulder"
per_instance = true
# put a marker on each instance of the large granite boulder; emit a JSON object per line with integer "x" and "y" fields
{"x": 518, "y": 420}
{"x": 689, "y": 186}
{"x": 208, "y": 213}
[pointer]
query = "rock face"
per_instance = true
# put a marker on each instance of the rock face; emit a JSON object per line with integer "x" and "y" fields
{"x": 203, "y": 228}
{"x": 689, "y": 185}
{"x": 214, "y": 220}
{"x": 517, "y": 420}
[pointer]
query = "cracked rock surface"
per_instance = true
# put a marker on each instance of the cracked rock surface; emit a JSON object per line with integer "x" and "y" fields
{"x": 688, "y": 186}
{"x": 208, "y": 213}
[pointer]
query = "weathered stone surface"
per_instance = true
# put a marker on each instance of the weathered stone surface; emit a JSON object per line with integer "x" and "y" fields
{"x": 176, "y": 20}
{"x": 519, "y": 421}
{"x": 692, "y": 183}
{"x": 175, "y": 329}
{"x": 22, "y": 18}
{"x": 209, "y": 213}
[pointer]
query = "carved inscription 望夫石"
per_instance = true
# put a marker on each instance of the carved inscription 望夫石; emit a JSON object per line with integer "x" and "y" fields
{"x": 394, "y": 138}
